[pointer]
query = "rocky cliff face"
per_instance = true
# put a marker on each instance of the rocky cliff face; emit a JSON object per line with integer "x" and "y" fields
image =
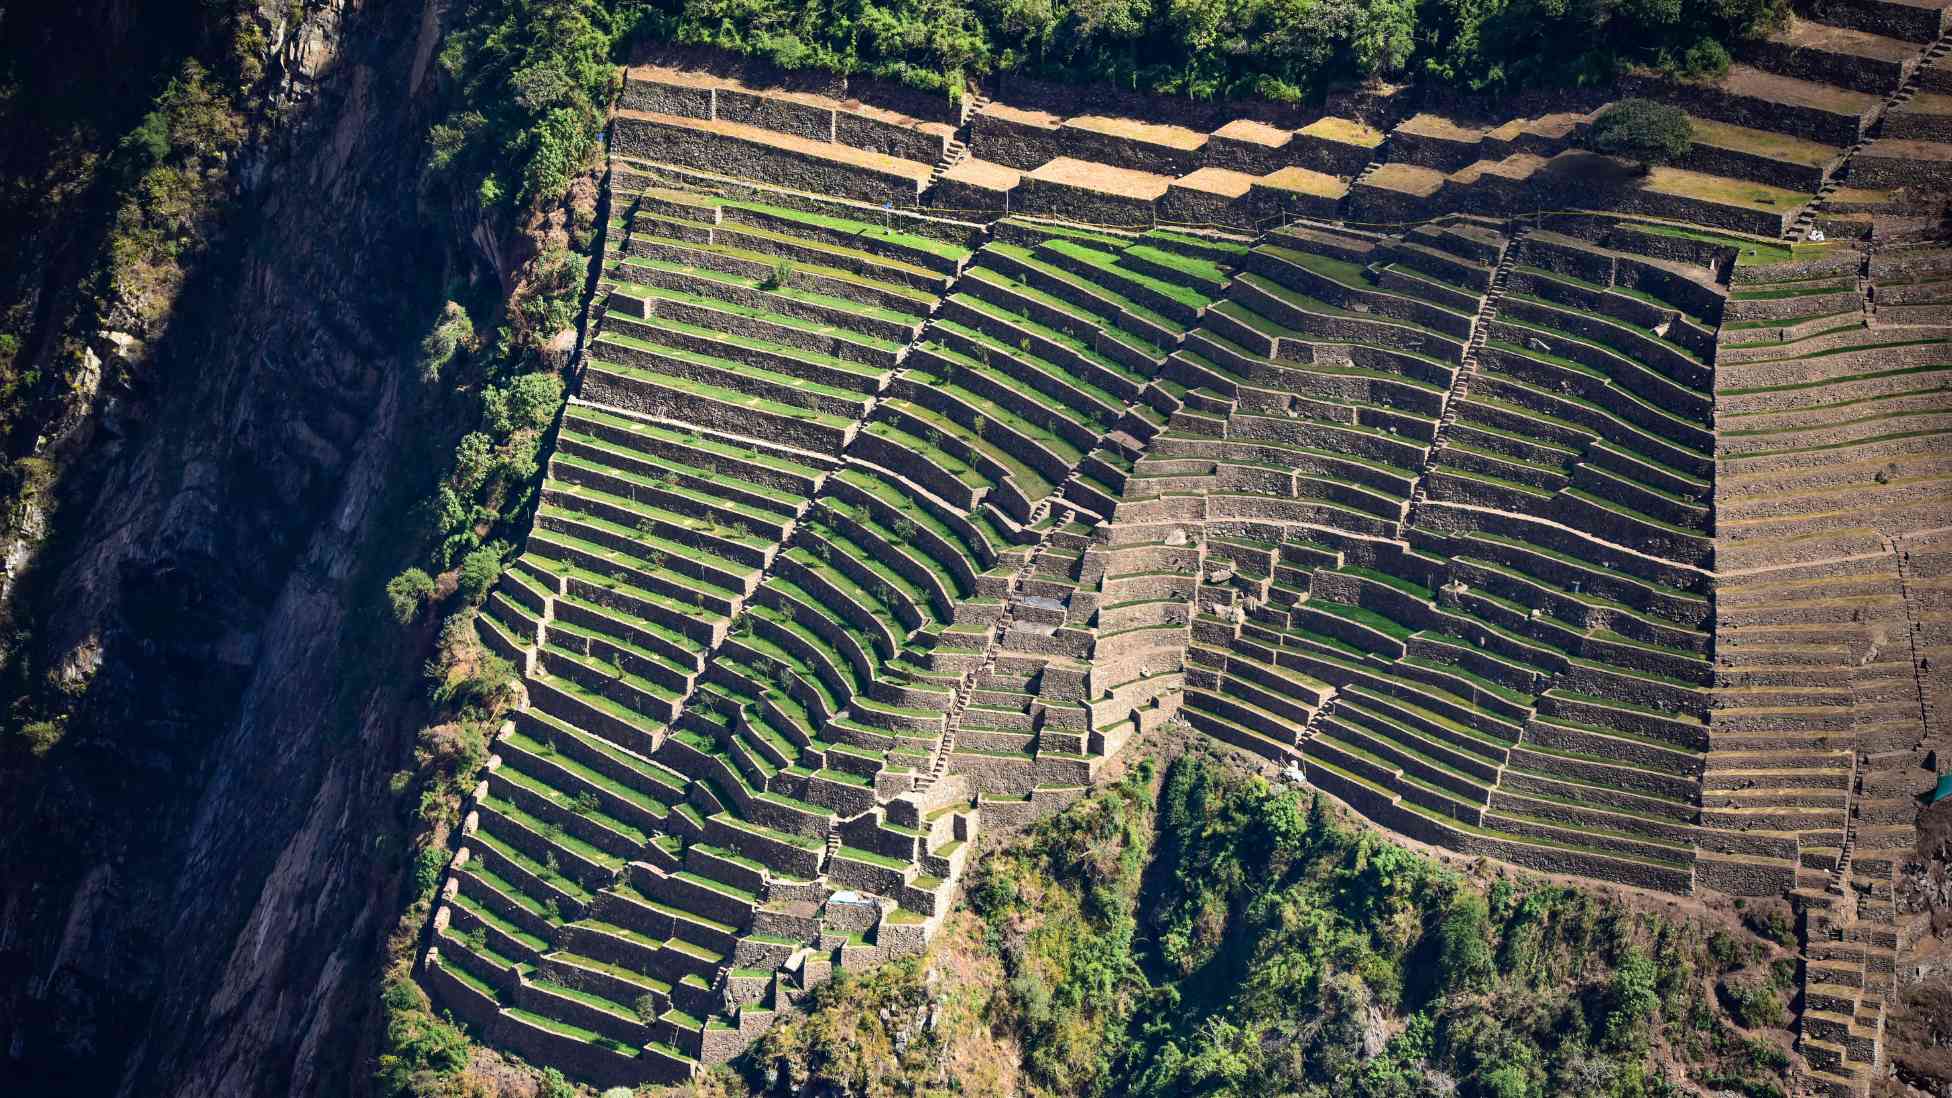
{"x": 194, "y": 880}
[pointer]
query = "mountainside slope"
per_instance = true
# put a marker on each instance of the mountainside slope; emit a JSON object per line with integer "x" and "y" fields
{"x": 202, "y": 847}
{"x": 1191, "y": 930}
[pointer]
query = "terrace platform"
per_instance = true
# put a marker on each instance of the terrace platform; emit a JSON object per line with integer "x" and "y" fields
{"x": 1337, "y": 146}
{"x": 1096, "y": 194}
{"x": 1214, "y": 196}
{"x": 1757, "y": 99}
{"x": 1250, "y": 146}
{"x": 1926, "y": 116}
{"x": 1922, "y": 166}
{"x": 1394, "y": 192}
{"x": 1836, "y": 55}
{"x": 974, "y": 184}
{"x": 753, "y": 151}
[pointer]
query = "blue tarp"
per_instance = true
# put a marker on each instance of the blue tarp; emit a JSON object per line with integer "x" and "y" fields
{"x": 1944, "y": 789}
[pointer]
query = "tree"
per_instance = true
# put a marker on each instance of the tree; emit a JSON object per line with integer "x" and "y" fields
{"x": 1632, "y": 1001}
{"x": 479, "y": 570}
{"x": 1644, "y": 131}
{"x": 474, "y": 459}
{"x": 406, "y": 592}
{"x": 1464, "y": 941}
{"x": 530, "y": 401}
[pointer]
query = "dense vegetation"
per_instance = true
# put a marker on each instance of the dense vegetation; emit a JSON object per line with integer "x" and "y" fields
{"x": 525, "y": 87}
{"x": 1644, "y": 131}
{"x": 1223, "y": 937}
{"x": 1278, "y": 49}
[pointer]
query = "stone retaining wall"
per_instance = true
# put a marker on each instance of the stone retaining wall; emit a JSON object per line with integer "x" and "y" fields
{"x": 735, "y": 155}
{"x": 1840, "y": 128}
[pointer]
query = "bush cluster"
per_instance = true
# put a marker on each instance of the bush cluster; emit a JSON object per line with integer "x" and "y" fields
{"x": 1204, "y": 49}
{"x": 1644, "y": 131}
{"x": 1233, "y": 938}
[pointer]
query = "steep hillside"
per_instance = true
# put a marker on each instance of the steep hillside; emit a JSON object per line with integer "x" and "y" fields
{"x": 202, "y": 846}
{"x": 521, "y": 573}
{"x": 1199, "y": 932}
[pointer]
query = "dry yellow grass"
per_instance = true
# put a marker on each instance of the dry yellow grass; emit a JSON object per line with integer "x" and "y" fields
{"x": 1775, "y": 146}
{"x": 1020, "y": 115}
{"x": 684, "y": 78}
{"x": 1175, "y": 137}
{"x": 1804, "y": 35}
{"x": 983, "y": 173}
{"x": 1103, "y": 178}
{"x": 1221, "y": 181}
{"x": 1343, "y": 131}
{"x": 1743, "y": 80}
{"x": 1546, "y": 125}
{"x": 1437, "y": 126}
{"x": 1407, "y": 179}
{"x": 1259, "y": 133}
{"x": 1862, "y": 196}
{"x": 1517, "y": 166}
{"x": 1926, "y": 103}
{"x": 1894, "y": 149}
{"x": 1304, "y": 181}
{"x": 1716, "y": 188}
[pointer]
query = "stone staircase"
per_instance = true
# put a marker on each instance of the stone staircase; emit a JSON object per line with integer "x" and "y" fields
{"x": 1461, "y": 386}
{"x": 1805, "y": 220}
{"x": 956, "y": 150}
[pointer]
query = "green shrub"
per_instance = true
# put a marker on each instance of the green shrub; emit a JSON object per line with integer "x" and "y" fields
{"x": 1644, "y": 131}
{"x": 1507, "y": 1081}
{"x": 474, "y": 459}
{"x": 427, "y": 867}
{"x": 479, "y": 571}
{"x": 407, "y": 592}
{"x": 482, "y": 688}
{"x": 1754, "y": 1001}
{"x": 454, "y": 332}
{"x": 553, "y": 1085}
{"x": 43, "y": 736}
{"x": 1465, "y": 962}
{"x": 532, "y": 78}
{"x": 420, "y": 1049}
{"x": 1707, "y": 59}
{"x": 1631, "y": 1002}
{"x": 528, "y": 402}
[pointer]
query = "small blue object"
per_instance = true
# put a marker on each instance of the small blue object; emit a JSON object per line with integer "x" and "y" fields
{"x": 1944, "y": 789}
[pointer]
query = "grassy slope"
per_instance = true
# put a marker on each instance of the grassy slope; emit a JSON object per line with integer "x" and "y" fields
{"x": 1200, "y": 933}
